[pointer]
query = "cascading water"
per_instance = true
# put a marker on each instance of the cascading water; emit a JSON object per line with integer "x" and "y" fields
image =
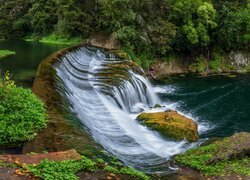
{"x": 106, "y": 94}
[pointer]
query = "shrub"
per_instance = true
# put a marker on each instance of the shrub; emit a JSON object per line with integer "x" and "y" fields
{"x": 22, "y": 114}
{"x": 64, "y": 170}
{"x": 5, "y": 53}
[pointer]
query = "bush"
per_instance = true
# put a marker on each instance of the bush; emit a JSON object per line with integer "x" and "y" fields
{"x": 64, "y": 170}
{"x": 5, "y": 53}
{"x": 22, "y": 114}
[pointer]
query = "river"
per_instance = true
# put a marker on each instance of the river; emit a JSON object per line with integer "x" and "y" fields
{"x": 24, "y": 63}
{"x": 87, "y": 80}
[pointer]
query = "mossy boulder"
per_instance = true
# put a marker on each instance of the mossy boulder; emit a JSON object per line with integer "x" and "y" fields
{"x": 158, "y": 106}
{"x": 171, "y": 124}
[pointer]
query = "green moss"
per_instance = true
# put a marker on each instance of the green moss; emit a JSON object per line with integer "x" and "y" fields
{"x": 171, "y": 124}
{"x": 199, "y": 66}
{"x": 5, "y": 164}
{"x": 220, "y": 62}
{"x": 64, "y": 170}
{"x": 219, "y": 158}
{"x": 134, "y": 173}
{"x": 5, "y": 53}
{"x": 111, "y": 169}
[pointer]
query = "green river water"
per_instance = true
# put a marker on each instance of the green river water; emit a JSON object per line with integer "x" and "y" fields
{"x": 221, "y": 105}
{"x": 28, "y": 56}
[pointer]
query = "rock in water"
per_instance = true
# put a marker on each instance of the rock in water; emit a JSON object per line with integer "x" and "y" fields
{"x": 171, "y": 124}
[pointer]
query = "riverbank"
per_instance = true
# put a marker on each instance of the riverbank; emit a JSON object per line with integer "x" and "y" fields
{"x": 62, "y": 133}
{"x": 224, "y": 159}
{"x": 55, "y": 39}
{"x": 65, "y": 165}
{"x": 227, "y": 64}
{"x": 5, "y": 53}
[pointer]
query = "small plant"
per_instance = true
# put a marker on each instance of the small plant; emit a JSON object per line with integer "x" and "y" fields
{"x": 199, "y": 66}
{"x": 133, "y": 172}
{"x": 64, "y": 170}
{"x": 5, "y": 53}
{"x": 219, "y": 158}
{"x": 111, "y": 169}
{"x": 22, "y": 114}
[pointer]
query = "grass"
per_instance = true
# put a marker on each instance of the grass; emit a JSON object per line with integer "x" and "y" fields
{"x": 5, "y": 53}
{"x": 64, "y": 170}
{"x": 55, "y": 39}
{"x": 67, "y": 170}
{"x": 199, "y": 66}
{"x": 219, "y": 158}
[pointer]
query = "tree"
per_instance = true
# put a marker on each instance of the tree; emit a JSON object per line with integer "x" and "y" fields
{"x": 42, "y": 15}
{"x": 71, "y": 19}
{"x": 195, "y": 20}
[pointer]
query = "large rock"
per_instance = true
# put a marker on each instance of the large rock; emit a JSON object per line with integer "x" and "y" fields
{"x": 171, "y": 124}
{"x": 102, "y": 41}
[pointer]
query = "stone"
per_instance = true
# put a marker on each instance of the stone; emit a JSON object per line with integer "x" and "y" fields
{"x": 158, "y": 106}
{"x": 102, "y": 41}
{"x": 171, "y": 124}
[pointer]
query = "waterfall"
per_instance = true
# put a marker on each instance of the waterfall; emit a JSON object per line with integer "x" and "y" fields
{"x": 106, "y": 94}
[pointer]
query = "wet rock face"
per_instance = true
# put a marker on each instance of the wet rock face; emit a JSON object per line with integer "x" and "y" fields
{"x": 171, "y": 124}
{"x": 101, "y": 41}
{"x": 240, "y": 59}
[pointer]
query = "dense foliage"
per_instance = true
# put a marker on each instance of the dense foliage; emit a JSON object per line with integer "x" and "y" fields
{"x": 64, "y": 170}
{"x": 156, "y": 27}
{"x": 22, "y": 114}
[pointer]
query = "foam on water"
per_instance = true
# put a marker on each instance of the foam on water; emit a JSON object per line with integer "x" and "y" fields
{"x": 107, "y": 100}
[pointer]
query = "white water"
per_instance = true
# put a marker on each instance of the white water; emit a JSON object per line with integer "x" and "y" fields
{"x": 107, "y": 105}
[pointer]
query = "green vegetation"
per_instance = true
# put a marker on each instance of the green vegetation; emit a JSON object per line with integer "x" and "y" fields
{"x": 199, "y": 66}
{"x": 228, "y": 156}
{"x": 64, "y": 170}
{"x": 67, "y": 170}
{"x": 55, "y": 39}
{"x": 5, "y": 53}
{"x": 132, "y": 172}
{"x": 22, "y": 115}
{"x": 150, "y": 29}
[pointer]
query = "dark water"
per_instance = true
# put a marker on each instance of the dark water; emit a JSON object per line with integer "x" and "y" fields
{"x": 221, "y": 105}
{"x": 28, "y": 56}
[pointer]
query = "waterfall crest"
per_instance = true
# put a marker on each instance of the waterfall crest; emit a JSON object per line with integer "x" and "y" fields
{"x": 105, "y": 94}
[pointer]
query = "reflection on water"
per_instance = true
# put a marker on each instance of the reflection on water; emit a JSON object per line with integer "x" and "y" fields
{"x": 24, "y": 64}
